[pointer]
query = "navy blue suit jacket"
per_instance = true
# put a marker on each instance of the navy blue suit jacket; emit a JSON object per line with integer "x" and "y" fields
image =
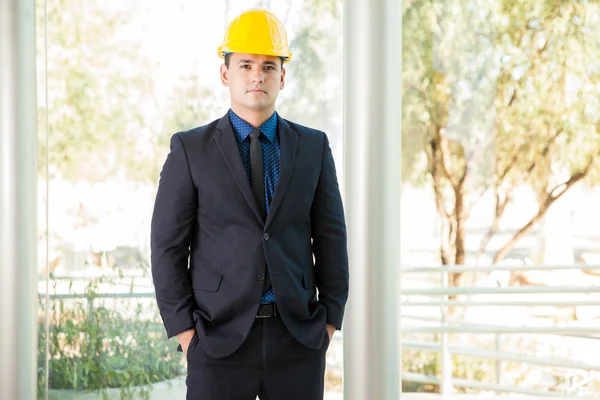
{"x": 209, "y": 244}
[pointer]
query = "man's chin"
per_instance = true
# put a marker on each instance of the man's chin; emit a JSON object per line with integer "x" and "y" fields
{"x": 258, "y": 106}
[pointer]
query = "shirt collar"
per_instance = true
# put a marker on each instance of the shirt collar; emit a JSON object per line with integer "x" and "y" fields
{"x": 242, "y": 128}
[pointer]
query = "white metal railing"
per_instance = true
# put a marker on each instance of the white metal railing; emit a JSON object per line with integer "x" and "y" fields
{"x": 438, "y": 298}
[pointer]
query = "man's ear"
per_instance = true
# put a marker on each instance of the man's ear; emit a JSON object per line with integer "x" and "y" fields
{"x": 224, "y": 77}
{"x": 282, "y": 83}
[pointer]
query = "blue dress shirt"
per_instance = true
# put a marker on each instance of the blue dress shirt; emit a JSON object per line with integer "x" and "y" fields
{"x": 269, "y": 143}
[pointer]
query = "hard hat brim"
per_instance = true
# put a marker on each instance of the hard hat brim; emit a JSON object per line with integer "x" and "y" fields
{"x": 285, "y": 56}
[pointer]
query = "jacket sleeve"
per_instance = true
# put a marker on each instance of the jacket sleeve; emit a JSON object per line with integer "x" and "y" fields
{"x": 329, "y": 241}
{"x": 173, "y": 221}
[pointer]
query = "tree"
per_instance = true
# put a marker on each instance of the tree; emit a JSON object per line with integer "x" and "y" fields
{"x": 97, "y": 123}
{"x": 190, "y": 105}
{"x": 314, "y": 74}
{"x": 497, "y": 95}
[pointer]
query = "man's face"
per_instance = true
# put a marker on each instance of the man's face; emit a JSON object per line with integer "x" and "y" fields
{"x": 254, "y": 81}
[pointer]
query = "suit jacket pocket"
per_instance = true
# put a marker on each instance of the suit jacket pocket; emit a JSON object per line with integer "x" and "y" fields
{"x": 308, "y": 278}
{"x": 206, "y": 280}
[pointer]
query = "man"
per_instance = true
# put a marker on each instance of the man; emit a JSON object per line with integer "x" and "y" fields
{"x": 253, "y": 201}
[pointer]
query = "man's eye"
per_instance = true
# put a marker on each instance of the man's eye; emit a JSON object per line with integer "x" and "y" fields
{"x": 270, "y": 67}
{"x": 245, "y": 66}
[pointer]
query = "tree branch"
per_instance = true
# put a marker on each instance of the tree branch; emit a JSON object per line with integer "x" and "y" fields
{"x": 513, "y": 162}
{"x": 550, "y": 199}
{"x": 437, "y": 181}
{"x": 501, "y": 205}
{"x": 446, "y": 162}
{"x": 512, "y": 98}
{"x": 498, "y": 182}
{"x": 463, "y": 178}
{"x": 544, "y": 151}
{"x": 552, "y": 196}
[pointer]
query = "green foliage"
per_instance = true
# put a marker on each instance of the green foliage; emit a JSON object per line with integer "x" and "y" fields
{"x": 190, "y": 105}
{"x": 426, "y": 363}
{"x": 549, "y": 77}
{"x": 105, "y": 118}
{"x": 97, "y": 127}
{"x": 313, "y": 76}
{"x": 499, "y": 95}
{"x": 528, "y": 68}
{"x": 98, "y": 347}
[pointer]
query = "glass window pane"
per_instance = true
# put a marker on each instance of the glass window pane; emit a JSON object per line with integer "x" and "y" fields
{"x": 500, "y": 118}
{"x": 121, "y": 78}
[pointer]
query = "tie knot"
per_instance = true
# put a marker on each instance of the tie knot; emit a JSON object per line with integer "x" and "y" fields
{"x": 255, "y": 134}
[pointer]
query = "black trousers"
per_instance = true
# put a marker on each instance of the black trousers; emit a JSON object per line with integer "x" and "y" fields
{"x": 270, "y": 364}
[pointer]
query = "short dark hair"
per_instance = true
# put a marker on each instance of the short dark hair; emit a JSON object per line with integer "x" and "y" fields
{"x": 228, "y": 58}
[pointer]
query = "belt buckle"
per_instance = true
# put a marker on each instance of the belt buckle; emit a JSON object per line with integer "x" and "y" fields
{"x": 266, "y": 311}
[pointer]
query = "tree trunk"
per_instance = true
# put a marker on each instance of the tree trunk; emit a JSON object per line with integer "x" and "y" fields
{"x": 459, "y": 238}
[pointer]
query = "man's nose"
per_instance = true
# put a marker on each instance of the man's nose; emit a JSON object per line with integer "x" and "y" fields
{"x": 259, "y": 75}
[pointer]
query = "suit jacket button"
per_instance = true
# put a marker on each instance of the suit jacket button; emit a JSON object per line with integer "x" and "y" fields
{"x": 260, "y": 277}
{"x": 266, "y": 236}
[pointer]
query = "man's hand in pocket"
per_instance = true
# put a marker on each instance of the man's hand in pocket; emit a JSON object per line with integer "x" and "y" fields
{"x": 330, "y": 331}
{"x": 185, "y": 338}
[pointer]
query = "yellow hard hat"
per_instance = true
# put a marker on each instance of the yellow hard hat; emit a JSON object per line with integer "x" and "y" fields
{"x": 256, "y": 32}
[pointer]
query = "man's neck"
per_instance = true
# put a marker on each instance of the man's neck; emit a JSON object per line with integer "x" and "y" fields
{"x": 254, "y": 118}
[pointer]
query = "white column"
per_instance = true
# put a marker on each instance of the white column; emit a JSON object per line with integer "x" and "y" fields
{"x": 372, "y": 135}
{"x": 18, "y": 199}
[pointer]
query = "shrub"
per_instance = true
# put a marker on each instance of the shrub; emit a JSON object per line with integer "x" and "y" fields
{"x": 96, "y": 348}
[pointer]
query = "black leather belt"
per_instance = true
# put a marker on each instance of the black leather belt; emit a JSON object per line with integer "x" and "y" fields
{"x": 267, "y": 311}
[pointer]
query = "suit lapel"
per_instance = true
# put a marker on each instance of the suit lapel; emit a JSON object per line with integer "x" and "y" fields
{"x": 288, "y": 142}
{"x": 225, "y": 139}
